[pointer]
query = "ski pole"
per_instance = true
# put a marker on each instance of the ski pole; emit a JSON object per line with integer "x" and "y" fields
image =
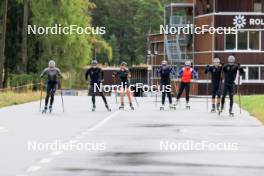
{"x": 136, "y": 100}
{"x": 115, "y": 89}
{"x": 156, "y": 98}
{"x": 207, "y": 92}
{"x": 176, "y": 89}
{"x": 62, "y": 101}
{"x": 40, "y": 101}
{"x": 238, "y": 92}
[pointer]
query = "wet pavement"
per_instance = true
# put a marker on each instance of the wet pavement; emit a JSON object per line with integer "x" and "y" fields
{"x": 144, "y": 142}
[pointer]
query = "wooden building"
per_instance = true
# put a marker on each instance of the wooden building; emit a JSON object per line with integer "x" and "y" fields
{"x": 247, "y": 45}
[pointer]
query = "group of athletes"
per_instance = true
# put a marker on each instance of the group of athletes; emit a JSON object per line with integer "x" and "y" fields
{"x": 223, "y": 78}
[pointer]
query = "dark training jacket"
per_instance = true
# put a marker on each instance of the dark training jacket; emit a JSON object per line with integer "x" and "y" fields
{"x": 96, "y": 75}
{"x": 215, "y": 73}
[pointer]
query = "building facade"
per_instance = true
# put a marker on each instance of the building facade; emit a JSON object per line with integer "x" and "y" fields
{"x": 246, "y": 44}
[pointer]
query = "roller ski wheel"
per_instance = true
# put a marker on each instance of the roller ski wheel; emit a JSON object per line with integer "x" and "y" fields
{"x": 213, "y": 110}
{"x": 172, "y": 107}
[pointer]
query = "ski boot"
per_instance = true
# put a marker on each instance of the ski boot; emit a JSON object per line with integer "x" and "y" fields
{"x": 50, "y": 109}
{"x": 121, "y": 107}
{"x": 131, "y": 106}
{"x": 220, "y": 110}
{"x": 213, "y": 108}
{"x": 187, "y": 106}
{"x": 44, "y": 111}
{"x": 172, "y": 107}
{"x": 231, "y": 114}
{"x": 93, "y": 109}
{"x": 177, "y": 103}
{"x": 107, "y": 107}
{"x": 218, "y": 106}
{"x": 162, "y": 108}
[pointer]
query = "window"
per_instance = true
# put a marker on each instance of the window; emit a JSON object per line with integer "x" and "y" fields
{"x": 262, "y": 73}
{"x": 253, "y": 73}
{"x": 230, "y": 41}
{"x": 257, "y": 6}
{"x": 254, "y": 40}
{"x": 242, "y": 40}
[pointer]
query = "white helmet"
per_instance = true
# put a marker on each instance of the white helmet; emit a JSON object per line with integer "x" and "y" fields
{"x": 52, "y": 63}
{"x": 188, "y": 63}
{"x": 164, "y": 62}
{"x": 216, "y": 61}
{"x": 231, "y": 59}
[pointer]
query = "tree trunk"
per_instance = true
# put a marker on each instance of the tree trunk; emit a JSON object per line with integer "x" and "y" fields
{"x": 24, "y": 37}
{"x": 3, "y": 41}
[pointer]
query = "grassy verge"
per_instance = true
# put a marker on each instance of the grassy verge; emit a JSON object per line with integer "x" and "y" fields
{"x": 254, "y": 105}
{"x": 12, "y": 98}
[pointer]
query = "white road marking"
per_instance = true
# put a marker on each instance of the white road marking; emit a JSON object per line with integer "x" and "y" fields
{"x": 46, "y": 160}
{"x": 98, "y": 125}
{"x": 56, "y": 153}
{"x": 33, "y": 168}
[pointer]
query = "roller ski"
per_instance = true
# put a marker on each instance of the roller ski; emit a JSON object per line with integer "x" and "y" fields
{"x": 132, "y": 107}
{"x": 162, "y": 108}
{"x": 107, "y": 107}
{"x": 213, "y": 110}
{"x": 93, "y": 108}
{"x": 187, "y": 106}
{"x": 172, "y": 107}
{"x": 231, "y": 114}
{"x": 44, "y": 111}
{"x": 122, "y": 107}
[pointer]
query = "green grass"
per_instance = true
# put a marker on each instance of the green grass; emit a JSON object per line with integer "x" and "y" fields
{"x": 254, "y": 105}
{"x": 12, "y": 98}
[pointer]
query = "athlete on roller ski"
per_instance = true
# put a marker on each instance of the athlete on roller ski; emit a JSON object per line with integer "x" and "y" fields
{"x": 165, "y": 71}
{"x": 53, "y": 75}
{"x": 230, "y": 73}
{"x": 216, "y": 73}
{"x": 186, "y": 74}
{"x": 96, "y": 76}
{"x": 124, "y": 76}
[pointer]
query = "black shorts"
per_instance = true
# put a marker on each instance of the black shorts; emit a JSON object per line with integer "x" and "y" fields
{"x": 51, "y": 87}
{"x": 216, "y": 91}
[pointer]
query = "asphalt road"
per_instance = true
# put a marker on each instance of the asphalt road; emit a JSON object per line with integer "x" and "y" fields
{"x": 144, "y": 142}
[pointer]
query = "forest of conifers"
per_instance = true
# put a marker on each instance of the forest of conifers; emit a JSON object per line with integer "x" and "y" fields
{"x": 127, "y": 24}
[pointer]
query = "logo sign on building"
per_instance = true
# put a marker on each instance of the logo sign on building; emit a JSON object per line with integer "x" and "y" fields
{"x": 240, "y": 21}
